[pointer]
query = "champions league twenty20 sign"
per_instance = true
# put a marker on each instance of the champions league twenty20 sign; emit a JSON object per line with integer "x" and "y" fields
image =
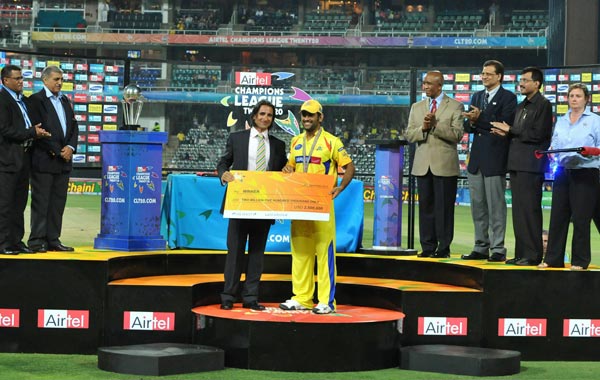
{"x": 252, "y": 87}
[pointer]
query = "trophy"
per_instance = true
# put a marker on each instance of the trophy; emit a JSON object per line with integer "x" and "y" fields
{"x": 132, "y": 107}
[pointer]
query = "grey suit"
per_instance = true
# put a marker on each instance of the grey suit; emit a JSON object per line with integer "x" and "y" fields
{"x": 436, "y": 167}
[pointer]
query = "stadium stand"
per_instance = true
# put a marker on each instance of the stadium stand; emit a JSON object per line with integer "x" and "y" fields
{"x": 198, "y": 19}
{"x": 458, "y": 20}
{"x": 527, "y": 22}
{"x": 195, "y": 77}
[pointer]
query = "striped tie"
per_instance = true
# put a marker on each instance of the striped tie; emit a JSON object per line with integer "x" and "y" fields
{"x": 261, "y": 157}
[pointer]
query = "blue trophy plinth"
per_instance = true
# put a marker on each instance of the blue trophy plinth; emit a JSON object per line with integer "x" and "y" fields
{"x": 387, "y": 218}
{"x": 131, "y": 191}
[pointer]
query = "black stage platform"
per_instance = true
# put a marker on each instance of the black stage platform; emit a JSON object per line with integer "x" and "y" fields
{"x": 78, "y": 302}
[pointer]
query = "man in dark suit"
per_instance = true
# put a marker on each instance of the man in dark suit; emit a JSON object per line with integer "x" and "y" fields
{"x": 530, "y": 131}
{"x": 486, "y": 170}
{"x": 51, "y": 162}
{"x": 16, "y": 135}
{"x": 251, "y": 149}
{"x": 435, "y": 124}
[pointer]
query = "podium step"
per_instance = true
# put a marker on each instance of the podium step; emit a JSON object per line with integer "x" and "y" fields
{"x": 160, "y": 359}
{"x": 460, "y": 360}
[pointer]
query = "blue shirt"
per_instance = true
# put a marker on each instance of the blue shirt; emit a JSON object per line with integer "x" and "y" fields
{"x": 585, "y": 132}
{"x": 60, "y": 111}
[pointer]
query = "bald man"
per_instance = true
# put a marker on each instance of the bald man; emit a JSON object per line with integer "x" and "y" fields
{"x": 435, "y": 124}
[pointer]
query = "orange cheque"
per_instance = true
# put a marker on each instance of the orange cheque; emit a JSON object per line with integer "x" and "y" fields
{"x": 278, "y": 195}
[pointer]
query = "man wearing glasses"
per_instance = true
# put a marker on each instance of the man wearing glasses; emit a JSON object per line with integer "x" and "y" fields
{"x": 487, "y": 163}
{"x": 16, "y": 135}
{"x": 531, "y": 131}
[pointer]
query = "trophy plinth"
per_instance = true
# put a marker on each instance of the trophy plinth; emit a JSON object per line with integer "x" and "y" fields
{"x": 132, "y": 104}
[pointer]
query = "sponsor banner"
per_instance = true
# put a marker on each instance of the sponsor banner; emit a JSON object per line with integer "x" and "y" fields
{"x": 111, "y": 108}
{"x": 529, "y": 327}
{"x": 187, "y": 39}
{"x": 9, "y": 318}
{"x": 84, "y": 185}
{"x": 148, "y": 321}
{"x": 524, "y": 42}
{"x": 581, "y": 328}
{"x": 446, "y": 326}
{"x": 63, "y": 319}
{"x": 95, "y": 108}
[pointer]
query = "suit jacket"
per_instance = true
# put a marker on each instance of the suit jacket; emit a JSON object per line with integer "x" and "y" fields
{"x": 489, "y": 152}
{"x": 531, "y": 131}
{"x": 236, "y": 154}
{"x": 13, "y": 132}
{"x": 46, "y": 151}
{"x": 436, "y": 149}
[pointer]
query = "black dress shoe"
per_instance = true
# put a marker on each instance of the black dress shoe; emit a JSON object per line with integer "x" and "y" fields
{"x": 441, "y": 255}
{"x": 425, "y": 254}
{"x": 21, "y": 248}
{"x": 39, "y": 248}
{"x": 526, "y": 262}
{"x": 474, "y": 256}
{"x": 497, "y": 258}
{"x": 60, "y": 248}
{"x": 6, "y": 251}
{"x": 254, "y": 305}
{"x": 512, "y": 261}
{"x": 227, "y": 305}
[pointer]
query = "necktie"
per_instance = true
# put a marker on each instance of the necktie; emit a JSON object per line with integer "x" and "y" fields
{"x": 261, "y": 157}
{"x": 433, "y": 106}
{"x": 24, "y": 111}
{"x": 486, "y": 101}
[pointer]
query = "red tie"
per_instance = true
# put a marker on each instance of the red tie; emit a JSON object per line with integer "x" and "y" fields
{"x": 433, "y": 106}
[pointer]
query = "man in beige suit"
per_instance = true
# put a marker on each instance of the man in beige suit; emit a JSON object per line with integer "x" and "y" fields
{"x": 435, "y": 124}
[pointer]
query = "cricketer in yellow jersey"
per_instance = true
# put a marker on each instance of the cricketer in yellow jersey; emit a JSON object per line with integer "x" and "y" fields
{"x": 315, "y": 151}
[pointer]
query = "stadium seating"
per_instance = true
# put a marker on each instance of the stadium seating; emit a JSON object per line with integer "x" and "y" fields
{"x": 326, "y": 21}
{"x": 458, "y": 20}
{"x": 390, "y": 21}
{"x": 527, "y": 22}
{"x": 195, "y": 77}
{"x": 134, "y": 20}
{"x": 270, "y": 20}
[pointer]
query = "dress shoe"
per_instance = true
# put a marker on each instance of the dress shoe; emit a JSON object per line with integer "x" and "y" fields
{"x": 39, "y": 248}
{"x": 425, "y": 254}
{"x": 6, "y": 251}
{"x": 496, "y": 258}
{"x": 60, "y": 248}
{"x": 21, "y": 248}
{"x": 227, "y": 305}
{"x": 512, "y": 261}
{"x": 254, "y": 305}
{"x": 526, "y": 262}
{"x": 441, "y": 255}
{"x": 474, "y": 256}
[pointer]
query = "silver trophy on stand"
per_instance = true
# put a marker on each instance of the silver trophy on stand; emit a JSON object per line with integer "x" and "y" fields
{"x": 132, "y": 103}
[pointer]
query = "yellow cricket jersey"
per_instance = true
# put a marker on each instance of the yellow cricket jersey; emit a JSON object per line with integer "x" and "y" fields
{"x": 327, "y": 155}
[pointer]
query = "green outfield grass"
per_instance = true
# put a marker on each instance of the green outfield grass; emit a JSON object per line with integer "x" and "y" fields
{"x": 81, "y": 225}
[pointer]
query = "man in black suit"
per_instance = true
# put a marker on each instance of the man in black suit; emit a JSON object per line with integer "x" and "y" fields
{"x": 531, "y": 131}
{"x": 251, "y": 149}
{"x": 486, "y": 170}
{"x": 16, "y": 135}
{"x": 51, "y": 162}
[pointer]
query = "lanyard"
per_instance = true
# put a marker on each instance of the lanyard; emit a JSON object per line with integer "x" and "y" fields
{"x": 312, "y": 148}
